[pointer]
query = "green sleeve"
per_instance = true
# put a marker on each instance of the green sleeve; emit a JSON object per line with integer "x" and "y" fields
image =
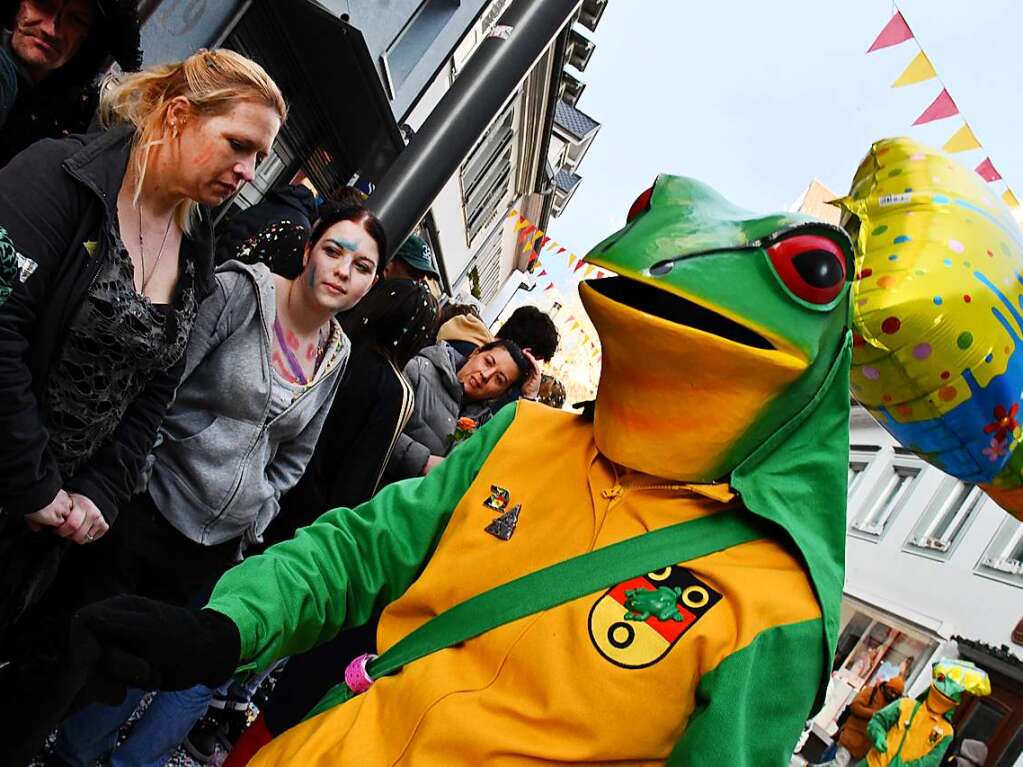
{"x": 751, "y": 709}
{"x": 350, "y": 563}
{"x": 882, "y": 721}
{"x": 933, "y": 759}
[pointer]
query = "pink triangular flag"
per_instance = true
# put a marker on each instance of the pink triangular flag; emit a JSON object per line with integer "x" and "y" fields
{"x": 940, "y": 108}
{"x": 895, "y": 31}
{"x": 987, "y": 171}
{"x": 561, "y": 250}
{"x": 550, "y": 287}
{"x": 578, "y": 265}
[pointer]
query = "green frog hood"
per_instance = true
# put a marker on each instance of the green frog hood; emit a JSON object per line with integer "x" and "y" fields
{"x": 725, "y": 358}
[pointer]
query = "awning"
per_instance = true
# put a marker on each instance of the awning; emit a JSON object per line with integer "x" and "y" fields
{"x": 340, "y": 123}
{"x": 998, "y": 659}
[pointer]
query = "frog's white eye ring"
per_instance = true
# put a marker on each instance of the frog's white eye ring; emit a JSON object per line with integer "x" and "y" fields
{"x": 810, "y": 266}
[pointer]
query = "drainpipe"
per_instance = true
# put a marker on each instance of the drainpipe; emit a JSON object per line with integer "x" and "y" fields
{"x": 447, "y": 136}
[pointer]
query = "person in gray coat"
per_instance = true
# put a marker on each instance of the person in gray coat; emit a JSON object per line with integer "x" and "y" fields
{"x": 449, "y": 386}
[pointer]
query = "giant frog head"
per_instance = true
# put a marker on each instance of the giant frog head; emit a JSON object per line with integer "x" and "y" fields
{"x": 721, "y": 326}
{"x": 950, "y": 678}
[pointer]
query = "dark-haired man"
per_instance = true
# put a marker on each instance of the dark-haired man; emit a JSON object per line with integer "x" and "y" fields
{"x": 50, "y": 60}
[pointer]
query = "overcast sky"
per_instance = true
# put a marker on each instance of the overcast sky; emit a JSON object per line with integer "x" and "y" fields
{"x": 757, "y": 98}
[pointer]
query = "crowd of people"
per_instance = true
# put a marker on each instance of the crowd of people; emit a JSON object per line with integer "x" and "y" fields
{"x": 176, "y": 396}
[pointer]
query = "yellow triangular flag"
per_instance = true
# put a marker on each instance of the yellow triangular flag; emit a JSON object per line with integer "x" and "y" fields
{"x": 513, "y": 213}
{"x": 1010, "y": 199}
{"x": 522, "y": 224}
{"x": 919, "y": 69}
{"x": 588, "y": 270}
{"x": 962, "y": 140}
{"x": 571, "y": 259}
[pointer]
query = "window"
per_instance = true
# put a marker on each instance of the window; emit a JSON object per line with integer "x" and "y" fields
{"x": 875, "y": 515}
{"x": 945, "y": 519}
{"x": 1003, "y": 559}
{"x": 485, "y": 175}
{"x": 856, "y": 469}
{"x": 415, "y": 40}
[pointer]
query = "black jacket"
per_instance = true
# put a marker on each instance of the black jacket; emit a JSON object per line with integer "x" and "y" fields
{"x": 54, "y": 197}
{"x": 369, "y": 412}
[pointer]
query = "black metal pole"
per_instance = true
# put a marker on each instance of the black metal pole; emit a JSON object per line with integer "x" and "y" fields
{"x": 447, "y": 136}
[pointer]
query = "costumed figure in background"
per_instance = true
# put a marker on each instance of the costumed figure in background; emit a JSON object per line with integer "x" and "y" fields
{"x": 853, "y": 742}
{"x": 659, "y": 583}
{"x": 916, "y": 733}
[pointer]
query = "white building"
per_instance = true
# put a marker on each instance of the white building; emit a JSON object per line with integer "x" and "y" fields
{"x": 934, "y": 568}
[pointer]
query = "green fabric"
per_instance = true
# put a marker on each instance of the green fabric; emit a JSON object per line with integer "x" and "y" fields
{"x": 751, "y": 709}
{"x": 350, "y": 563}
{"x": 881, "y": 722}
{"x": 799, "y": 479}
{"x": 560, "y": 583}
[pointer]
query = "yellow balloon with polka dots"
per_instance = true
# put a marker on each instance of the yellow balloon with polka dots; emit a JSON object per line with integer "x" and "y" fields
{"x": 937, "y": 314}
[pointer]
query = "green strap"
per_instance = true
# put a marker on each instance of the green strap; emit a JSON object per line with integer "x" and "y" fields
{"x": 571, "y": 579}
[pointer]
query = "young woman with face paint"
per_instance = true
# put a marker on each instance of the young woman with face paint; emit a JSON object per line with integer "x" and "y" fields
{"x": 262, "y": 367}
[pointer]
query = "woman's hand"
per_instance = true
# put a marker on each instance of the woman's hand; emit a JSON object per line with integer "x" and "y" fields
{"x": 85, "y": 523}
{"x": 531, "y": 385}
{"x": 52, "y": 514}
{"x": 432, "y": 463}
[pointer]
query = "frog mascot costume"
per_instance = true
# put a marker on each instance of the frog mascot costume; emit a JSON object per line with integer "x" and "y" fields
{"x": 917, "y": 733}
{"x": 656, "y": 584}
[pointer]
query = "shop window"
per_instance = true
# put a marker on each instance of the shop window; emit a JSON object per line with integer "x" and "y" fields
{"x": 1003, "y": 559}
{"x": 415, "y": 40}
{"x": 873, "y": 518}
{"x": 945, "y": 519}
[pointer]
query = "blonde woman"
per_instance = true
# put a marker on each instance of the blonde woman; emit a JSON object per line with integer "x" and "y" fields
{"x": 114, "y": 245}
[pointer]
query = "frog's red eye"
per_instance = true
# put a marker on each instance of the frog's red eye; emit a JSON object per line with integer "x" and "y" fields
{"x": 641, "y": 205}
{"x": 811, "y": 266}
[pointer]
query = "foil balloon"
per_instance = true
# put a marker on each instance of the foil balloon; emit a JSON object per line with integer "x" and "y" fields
{"x": 937, "y": 316}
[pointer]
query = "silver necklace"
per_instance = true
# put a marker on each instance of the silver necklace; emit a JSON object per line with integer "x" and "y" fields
{"x": 142, "y": 250}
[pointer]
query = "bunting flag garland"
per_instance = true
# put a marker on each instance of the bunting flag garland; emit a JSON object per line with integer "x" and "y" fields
{"x": 920, "y": 70}
{"x": 578, "y": 264}
{"x": 962, "y": 141}
{"x": 987, "y": 171}
{"x": 895, "y": 31}
{"x": 549, "y": 287}
{"x": 940, "y": 108}
{"x": 571, "y": 260}
{"x": 534, "y": 240}
{"x": 527, "y": 232}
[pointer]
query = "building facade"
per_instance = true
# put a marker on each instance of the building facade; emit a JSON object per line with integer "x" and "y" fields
{"x": 934, "y": 568}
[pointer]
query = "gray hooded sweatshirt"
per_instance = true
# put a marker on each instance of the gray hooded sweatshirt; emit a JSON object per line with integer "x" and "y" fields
{"x": 221, "y": 463}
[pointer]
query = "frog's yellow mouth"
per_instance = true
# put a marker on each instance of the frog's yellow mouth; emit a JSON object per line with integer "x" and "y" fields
{"x": 675, "y": 308}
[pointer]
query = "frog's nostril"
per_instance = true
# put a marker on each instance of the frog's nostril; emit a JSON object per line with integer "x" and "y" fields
{"x": 661, "y": 268}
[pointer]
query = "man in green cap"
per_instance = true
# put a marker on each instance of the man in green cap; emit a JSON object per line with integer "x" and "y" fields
{"x": 413, "y": 261}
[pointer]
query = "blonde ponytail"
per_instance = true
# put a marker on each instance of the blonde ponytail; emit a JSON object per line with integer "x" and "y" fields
{"x": 211, "y": 81}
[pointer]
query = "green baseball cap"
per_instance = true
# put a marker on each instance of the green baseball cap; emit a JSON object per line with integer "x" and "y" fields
{"x": 417, "y": 254}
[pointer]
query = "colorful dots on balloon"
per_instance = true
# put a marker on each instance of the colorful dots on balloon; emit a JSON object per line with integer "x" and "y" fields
{"x": 887, "y": 282}
{"x": 947, "y": 393}
{"x": 871, "y": 373}
{"x": 937, "y": 300}
{"x": 957, "y": 246}
{"x": 922, "y": 351}
{"x": 880, "y": 229}
{"x": 891, "y": 325}
{"x": 964, "y": 340}
{"x": 901, "y": 239}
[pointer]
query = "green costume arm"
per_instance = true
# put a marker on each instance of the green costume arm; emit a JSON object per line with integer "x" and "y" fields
{"x": 751, "y": 709}
{"x": 933, "y": 759}
{"x": 350, "y": 563}
{"x": 880, "y": 723}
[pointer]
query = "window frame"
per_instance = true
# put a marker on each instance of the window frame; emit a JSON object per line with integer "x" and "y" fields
{"x": 1011, "y": 530}
{"x": 900, "y": 464}
{"x": 937, "y": 508}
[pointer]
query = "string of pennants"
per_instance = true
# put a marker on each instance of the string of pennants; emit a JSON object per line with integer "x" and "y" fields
{"x": 920, "y": 70}
{"x": 532, "y": 240}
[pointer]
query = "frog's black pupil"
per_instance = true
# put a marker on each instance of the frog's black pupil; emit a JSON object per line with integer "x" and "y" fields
{"x": 662, "y": 268}
{"x": 819, "y": 268}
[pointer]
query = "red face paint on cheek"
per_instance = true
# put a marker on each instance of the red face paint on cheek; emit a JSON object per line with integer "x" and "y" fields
{"x": 310, "y": 352}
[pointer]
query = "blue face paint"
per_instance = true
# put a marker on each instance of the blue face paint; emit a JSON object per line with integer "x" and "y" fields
{"x": 350, "y": 245}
